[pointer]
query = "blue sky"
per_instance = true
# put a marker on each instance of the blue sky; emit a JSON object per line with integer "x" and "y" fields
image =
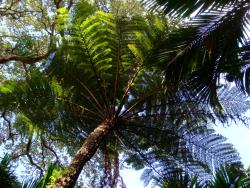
{"x": 239, "y": 136}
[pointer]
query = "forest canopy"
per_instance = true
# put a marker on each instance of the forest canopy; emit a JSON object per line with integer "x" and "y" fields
{"x": 90, "y": 87}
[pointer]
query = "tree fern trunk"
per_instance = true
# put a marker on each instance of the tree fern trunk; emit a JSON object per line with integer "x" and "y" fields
{"x": 84, "y": 154}
{"x": 107, "y": 179}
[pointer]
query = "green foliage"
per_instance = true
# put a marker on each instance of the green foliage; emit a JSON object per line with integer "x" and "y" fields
{"x": 24, "y": 46}
{"x": 7, "y": 177}
{"x": 101, "y": 57}
{"x": 62, "y": 18}
{"x": 83, "y": 10}
{"x": 230, "y": 176}
{"x": 37, "y": 102}
{"x": 51, "y": 174}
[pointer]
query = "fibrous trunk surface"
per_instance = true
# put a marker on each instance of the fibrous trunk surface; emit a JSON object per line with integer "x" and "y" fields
{"x": 84, "y": 154}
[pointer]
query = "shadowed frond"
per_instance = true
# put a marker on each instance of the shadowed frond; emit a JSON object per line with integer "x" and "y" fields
{"x": 206, "y": 47}
{"x": 186, "y": 8}
{"x": 191, "y": 148}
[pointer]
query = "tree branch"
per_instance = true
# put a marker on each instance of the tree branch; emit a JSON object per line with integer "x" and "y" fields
{"x": 10, "y": 134}
{"x": 44, "y": 144}
{"x": 28, "y": 146}
{"x": 26, "y": 152}
{"x": 58, "y": 4}
{"x": 70, "y": 3}
{"x": 23, "y": 59}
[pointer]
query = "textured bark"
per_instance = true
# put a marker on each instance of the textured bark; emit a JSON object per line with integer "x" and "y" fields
{"x": 116, "y": 164}
{"x": 84, "y": 154}
{"x": 106, "y": 181}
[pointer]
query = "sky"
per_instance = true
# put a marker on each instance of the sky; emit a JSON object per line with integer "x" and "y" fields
{"x": 239, "y": 136}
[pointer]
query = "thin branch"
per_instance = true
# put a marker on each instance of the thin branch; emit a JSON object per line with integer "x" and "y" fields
{"x": 43, "y": 155}
{"x": 27, "y": 153}
{"x": 83, "y": 109}
{"x": 11, "y": 134}
{"x": 70, "y": 3}
{"x": 53, "y": 151}
{"x": 141, "y": 100}
{"x": 91, "y": 94}
{"x": 58, "y": 4}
